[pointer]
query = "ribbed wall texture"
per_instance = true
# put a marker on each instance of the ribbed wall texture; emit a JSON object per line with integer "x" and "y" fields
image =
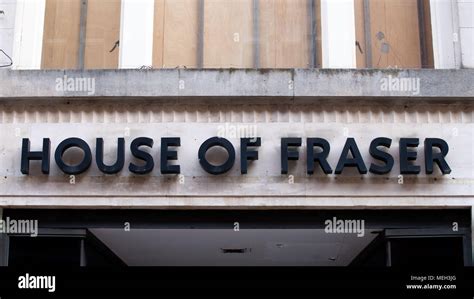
{"x": 149, "y": 112}
{"x": 196, "y": 120}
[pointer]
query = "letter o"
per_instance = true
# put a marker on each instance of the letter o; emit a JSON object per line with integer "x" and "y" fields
{"x": 67, "y": 144}
{"x": 216, "y": 169}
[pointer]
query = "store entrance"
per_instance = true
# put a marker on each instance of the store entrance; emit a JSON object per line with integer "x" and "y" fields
{"x": 116, "y": 238}
{"x": 415, "y": 248}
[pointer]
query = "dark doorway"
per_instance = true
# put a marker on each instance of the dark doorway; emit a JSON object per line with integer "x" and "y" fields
{"x": 416, "y": 249}
{"x": 398, "y": 238}
{"x": 62, "y": 248}
{"x": 425, "y": 252}
{"x": 44, "y": 251}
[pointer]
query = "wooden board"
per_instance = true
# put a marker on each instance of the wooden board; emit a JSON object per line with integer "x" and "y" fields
{"x": 228, "y": 34}
{"x": 319, "y": 46}
{"x": 175, "y": 33}
{"x": 360, "y": 33}
{"x": 158, "y": 33}
{"x": 61, "y": 34}
{"x": 428, "y": 35}
{"x": 102, "y": 32}
{"x": 284, "y": 34}
{"x": 395, "y": 34}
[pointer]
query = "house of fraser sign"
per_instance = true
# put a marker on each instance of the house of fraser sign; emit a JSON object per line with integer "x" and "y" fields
{"x": 317, "y": 151}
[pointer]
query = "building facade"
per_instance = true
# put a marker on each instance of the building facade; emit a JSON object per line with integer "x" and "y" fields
{"x": 248, "y": 132}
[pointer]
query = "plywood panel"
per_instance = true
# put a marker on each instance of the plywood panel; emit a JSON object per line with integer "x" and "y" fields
{"x": 61, "y": 34}
{"x": 284, "y": 33}
{"x": 319, "y": 46}
{"x": 175, "y": 33}
{"x": 228, "y": 34}
{"x": 102, "y": 32}
{"x": 395, "y": 34}
{"x": 428, "y": 35}
{"x": 268, "y": 34}
{"x": 158, "y": 33}
{"x": 360, "y": 33}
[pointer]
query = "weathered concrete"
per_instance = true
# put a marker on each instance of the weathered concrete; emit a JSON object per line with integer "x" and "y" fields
{"x": 263, "y": 186}
{"x": 7, "y": 23}
{"x": 368, "y": 83}
{"x": 235, "y": 202}
{"x": 242, "y": 83}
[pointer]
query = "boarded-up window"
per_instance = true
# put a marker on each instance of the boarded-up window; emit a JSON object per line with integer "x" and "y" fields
{"x": 284, "y": 34}
{"x": 175, "y": 34}
{"x": 61, "y": 44}
{"x": 102, "y": 34}
{"x": 187, "y": 33}
{"x": 61, "y": 34}
{"x": 236, "y": 34}
{"x": 399, "y": 35}
{"x": 228, "y": 34}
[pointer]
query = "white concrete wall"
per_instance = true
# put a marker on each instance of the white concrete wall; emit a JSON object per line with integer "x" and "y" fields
{"x": 28, "y": 36}
{"x": 263, "y": 186}
{"x": 444, "y": 23}
{"x": 136, "y": 33}
{"x": 7, "y": 24}
{"x": 466, "y": 29}
{"x": 338, "y": 33}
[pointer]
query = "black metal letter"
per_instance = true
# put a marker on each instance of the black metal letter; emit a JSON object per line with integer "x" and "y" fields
{"x": 406, "y": 156}
{"x": 67, "y": 144}
{"x": 246, "y": 154}
{"x": 286, "y": 154}
{"x": 381, "y": 155}
{"x": 141, "y": 155}
{"x": 27, "y": 156}
{"x": 219, "y": 169}
{"x": 167, "y": 155}
{"x": 99, "y": 156}
{"x": 438, "y": 158}
{"x": 355, "y": 161}
{"x": 320, "y": 157}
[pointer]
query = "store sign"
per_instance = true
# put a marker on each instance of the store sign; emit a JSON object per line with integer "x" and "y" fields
{"x": 317, "y": 152}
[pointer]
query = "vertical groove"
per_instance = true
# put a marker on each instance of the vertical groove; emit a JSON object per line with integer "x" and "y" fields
{"x": 312, "y": 36}
{"x": 200, "y": 45}
{"x": 256, "y": 34}
{"x": 82, "y": 35}
{"x": 368, "y": 35}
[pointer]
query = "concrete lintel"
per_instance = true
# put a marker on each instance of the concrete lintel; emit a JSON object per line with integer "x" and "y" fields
{"x": 237, "y": 202}
{"x": 383, "y": 83}
{"x": 241, "y": 83}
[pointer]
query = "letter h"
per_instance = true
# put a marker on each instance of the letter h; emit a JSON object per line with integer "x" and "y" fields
{"x": 27, "y": 156}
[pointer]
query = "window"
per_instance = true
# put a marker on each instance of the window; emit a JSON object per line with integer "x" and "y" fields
{"x": 110, "y": 34}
